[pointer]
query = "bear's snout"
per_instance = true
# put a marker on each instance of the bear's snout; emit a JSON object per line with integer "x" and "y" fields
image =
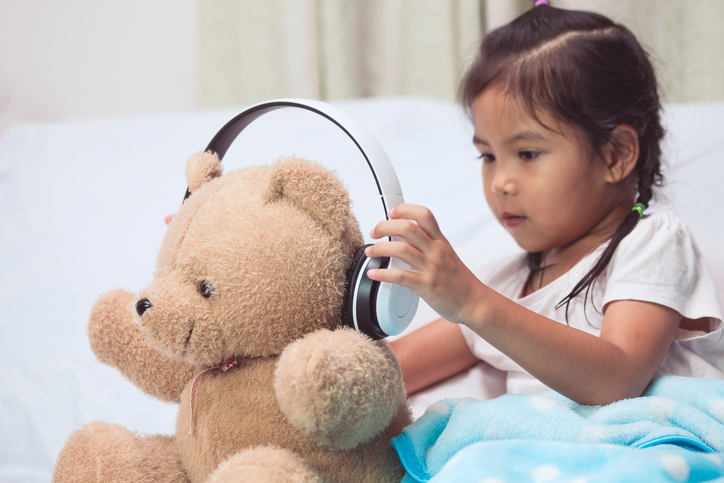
{"x": 142, "y": 305}
{"x": 178, "y": 321}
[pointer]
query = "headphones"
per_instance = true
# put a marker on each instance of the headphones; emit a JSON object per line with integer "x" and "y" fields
{"x": 378, "y": 309}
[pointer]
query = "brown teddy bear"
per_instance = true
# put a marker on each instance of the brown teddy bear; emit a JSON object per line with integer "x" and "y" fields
{"x": 241, "y": 327}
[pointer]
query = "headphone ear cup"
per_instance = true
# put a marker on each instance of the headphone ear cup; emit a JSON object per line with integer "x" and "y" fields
{"x": 350, "y": 287}
{"x": 358, "y": 309}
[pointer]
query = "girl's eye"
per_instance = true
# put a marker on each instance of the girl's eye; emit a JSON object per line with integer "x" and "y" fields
{"x": 529, "y": 155}
{"x": 206, "y": 289}
{"x": 487, "y": 157}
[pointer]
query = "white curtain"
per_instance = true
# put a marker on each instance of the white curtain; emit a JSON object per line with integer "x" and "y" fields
{"x": 252, "y": 50}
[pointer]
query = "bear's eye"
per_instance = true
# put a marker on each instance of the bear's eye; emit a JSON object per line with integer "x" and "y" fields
{"x": 206, "y": 289}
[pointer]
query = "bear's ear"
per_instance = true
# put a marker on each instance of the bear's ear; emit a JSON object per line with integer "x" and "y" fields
{"x": 314, "y": 189}
{"x": 202, "y": 168}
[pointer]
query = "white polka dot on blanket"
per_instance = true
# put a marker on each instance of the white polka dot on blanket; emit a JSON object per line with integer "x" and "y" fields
{"x": 546, "y": 473}
{"x": 595, "y": 433}
{"x": 716, "y": 410}
{"x": 661, "y": 407}
{"x": 495, "y": 432}
{"x": 439, "y": 408}
{"x": 676, "y": 466}
{"x": 542, "y": 402}
{"x": 713, "y": 458}
{"x": 451, "y": 462}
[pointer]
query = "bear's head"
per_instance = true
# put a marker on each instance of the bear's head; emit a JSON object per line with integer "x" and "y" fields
{"x": 252, "y": 261}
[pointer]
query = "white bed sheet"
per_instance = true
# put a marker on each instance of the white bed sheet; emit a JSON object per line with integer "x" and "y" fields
{"x": 82, "y": 207}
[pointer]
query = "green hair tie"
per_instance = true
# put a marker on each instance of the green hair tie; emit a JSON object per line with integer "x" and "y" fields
{"x": 639, "y": 207}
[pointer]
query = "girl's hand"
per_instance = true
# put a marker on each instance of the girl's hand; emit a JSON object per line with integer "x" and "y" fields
{"x": 436, "y": 273}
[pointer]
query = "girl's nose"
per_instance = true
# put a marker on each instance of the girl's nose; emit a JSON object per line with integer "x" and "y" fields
{"x": 503, "y": 182}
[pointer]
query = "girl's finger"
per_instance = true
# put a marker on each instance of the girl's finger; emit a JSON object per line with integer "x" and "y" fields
{"x": 421, "y": 215}
{"x": 396, "y": 249}
{"x": 168, "y": 219}
{"x": 408, "y": 230}
{"x": 399, "y": 277}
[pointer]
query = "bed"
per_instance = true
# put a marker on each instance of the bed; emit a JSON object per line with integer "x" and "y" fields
{"x": 82, "y": 206}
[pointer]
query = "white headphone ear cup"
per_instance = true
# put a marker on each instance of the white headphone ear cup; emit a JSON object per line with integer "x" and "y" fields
{"x": 358, "y": 310}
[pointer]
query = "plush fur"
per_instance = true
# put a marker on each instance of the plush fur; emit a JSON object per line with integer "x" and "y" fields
{"x": 253, "y": 268}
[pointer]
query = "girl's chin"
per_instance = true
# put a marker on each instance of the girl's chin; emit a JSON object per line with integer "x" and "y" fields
{"x": 524, "y": 241}
{"x": 529, "y": 246}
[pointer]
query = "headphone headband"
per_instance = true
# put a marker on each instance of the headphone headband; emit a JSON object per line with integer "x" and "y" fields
{"x": 378, "y": 309}
{"x": 386, "y": 180}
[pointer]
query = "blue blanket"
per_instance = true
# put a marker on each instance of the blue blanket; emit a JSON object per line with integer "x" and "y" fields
{"x": 674, "y": 432}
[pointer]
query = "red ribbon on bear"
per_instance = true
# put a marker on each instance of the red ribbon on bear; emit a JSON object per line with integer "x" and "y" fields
{"x": 224, "y": 366}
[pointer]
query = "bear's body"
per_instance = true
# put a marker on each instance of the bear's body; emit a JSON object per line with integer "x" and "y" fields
{"x": 236, "y": 419}
{"x": 240, "y": 327}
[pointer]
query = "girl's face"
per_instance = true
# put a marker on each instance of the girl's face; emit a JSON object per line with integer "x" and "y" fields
{"x": 542, "y": 185}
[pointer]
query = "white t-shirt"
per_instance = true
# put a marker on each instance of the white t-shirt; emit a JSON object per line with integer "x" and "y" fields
{"x": 657, "y": 262}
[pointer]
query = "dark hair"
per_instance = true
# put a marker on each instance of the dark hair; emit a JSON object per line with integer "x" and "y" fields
{"x": 586, "y": 71}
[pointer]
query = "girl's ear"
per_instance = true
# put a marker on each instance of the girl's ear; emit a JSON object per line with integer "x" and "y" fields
{"x": 621, "y": 153}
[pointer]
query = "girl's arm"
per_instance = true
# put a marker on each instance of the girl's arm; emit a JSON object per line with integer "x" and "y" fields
{"x": 591, "y": 370}
{"x": 432, "y": 354}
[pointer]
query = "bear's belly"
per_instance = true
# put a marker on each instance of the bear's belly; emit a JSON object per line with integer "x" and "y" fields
{"x": 232, "y": 410}
{"x": 238, "y": 409}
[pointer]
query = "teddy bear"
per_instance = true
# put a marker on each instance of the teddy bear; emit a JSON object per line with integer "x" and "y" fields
{"x": 241, "y": 326}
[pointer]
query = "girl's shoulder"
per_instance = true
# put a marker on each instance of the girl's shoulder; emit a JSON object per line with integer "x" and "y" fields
{"x": 660, "y": 262}
{"x": 656, "y": 231}
{"x": 663, "y": 219}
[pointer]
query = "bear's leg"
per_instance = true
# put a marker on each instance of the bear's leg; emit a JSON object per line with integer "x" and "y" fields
{"x": 103, "y": 452}
{"x": 265, "y": 463}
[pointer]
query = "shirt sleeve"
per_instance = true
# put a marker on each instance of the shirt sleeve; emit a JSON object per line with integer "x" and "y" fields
{"x": 659, "y": 262}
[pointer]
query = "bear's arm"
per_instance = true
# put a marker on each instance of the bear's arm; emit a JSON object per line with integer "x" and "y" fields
{"x": 118, "y": 343}
{"x": 339, "y": 387}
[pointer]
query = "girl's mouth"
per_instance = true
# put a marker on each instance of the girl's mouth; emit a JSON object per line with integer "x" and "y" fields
{"x": 511, "y": 221}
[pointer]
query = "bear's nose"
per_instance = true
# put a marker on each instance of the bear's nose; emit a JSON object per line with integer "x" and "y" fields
{"x": 142, "y": 305}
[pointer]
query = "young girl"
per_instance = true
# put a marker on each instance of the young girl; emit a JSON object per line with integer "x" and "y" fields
{"x": 566, "y": 116}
